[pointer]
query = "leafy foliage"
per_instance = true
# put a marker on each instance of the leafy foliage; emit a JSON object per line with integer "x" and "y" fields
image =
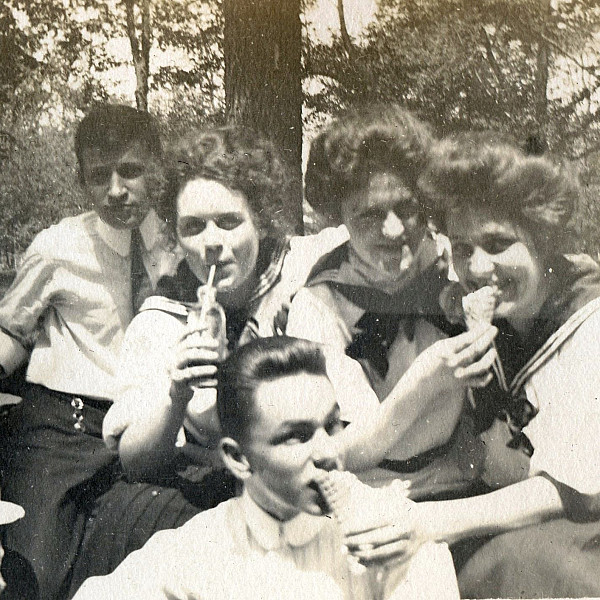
{"x": 526, "y": 67}
{"x": 463, "y": 64}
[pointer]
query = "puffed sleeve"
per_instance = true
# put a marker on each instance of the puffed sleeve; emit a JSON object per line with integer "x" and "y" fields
{"x": 311, "y": 319}
{"x": 143, "y": 381}
{"x": 145, "y": 573}
{"x": 22, "y": 306}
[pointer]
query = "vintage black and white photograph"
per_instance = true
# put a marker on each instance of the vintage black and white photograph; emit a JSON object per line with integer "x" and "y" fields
{"x": 299, "y": 299}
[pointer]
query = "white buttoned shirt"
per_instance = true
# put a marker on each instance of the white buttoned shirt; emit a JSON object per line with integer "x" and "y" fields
{"x": 70, "y": 303}
{"x": 237, "y": 551}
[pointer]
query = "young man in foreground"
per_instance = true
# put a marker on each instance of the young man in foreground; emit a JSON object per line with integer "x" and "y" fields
{"x": 279, "y": 418}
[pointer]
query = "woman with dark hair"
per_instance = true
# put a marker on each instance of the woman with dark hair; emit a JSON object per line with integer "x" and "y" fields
{"x": 375, "y": 299}
{"x": 224, "y": 205}
{"x": 506, "y": 214}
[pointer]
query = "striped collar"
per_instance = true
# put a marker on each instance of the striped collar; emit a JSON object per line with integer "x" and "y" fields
{"x": 552, "y": 344}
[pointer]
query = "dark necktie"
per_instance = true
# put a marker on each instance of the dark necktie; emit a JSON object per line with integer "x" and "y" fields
{"x": 141, "y": 286}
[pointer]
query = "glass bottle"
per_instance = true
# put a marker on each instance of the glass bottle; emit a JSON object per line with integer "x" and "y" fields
{"x": 207, "y": 317}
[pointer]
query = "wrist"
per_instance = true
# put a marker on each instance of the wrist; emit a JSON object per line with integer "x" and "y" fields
{"x": 433, "y": 522}
{"x": 181, "y": 393}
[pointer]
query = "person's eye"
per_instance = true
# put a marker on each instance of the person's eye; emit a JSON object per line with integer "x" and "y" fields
{"x": 229, "y": 222}
{"x": 405, "y": 210}
{"x": 370, "y": 219}
{"x": 498, "y": 245}
{"x": 130, "y": 170}
{"x": 334, "y": 426}
{"x": 192, "y": 227}
{"x": 98, "y": 175}
{"x": 299, "y": 435}
{"x": 461, "y": 250}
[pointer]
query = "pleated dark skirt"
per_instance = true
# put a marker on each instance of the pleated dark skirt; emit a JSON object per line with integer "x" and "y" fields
{"x": 129, "y": 514}
{"x": 557, "y": 559}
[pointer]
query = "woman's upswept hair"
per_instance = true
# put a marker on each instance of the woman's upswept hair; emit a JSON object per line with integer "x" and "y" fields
{"x": 240, "y": 159}
{"x": 382, "y": 137}
{"x": 487, "y": 169}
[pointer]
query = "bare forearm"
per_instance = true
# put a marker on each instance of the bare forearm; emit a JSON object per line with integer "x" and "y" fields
{"x": 147, "y": 446}
{"x": 525, "y": 503}
{"x": 407, "y": 420}
{"x": 365, "y": 442}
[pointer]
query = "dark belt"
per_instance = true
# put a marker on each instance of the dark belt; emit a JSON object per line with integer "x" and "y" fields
{"x": 416, "y": 463}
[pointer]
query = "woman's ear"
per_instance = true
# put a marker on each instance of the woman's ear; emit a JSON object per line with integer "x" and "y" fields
{"x": 235, "y": 460}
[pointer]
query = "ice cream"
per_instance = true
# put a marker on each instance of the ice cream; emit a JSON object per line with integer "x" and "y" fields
{"x": 478, "y": 306}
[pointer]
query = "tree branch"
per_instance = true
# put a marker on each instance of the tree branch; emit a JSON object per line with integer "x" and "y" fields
{"x": 146, "y": 31}
{"x": 131, "y": 32}
{"x": 140, "y": 52}
{"x": 346, "y": 39}
{"x": 542, "y": 36}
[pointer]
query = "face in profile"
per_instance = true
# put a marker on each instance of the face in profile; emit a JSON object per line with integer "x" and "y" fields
{"x": 490, "y": 249}
{"x": 118, "y": 184}
{"x": 384, "y": 225}
{"x": 291, "y": 439}
{"x": 215, "y": 225}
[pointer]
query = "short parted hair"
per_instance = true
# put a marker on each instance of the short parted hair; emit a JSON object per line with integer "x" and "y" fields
{"x": 382, "y": 137}
{"x": 486, "y": 169}
{"x": 261, "y": 360}
{"x": 116, "y": 127}
{"x": 240, "y": 159}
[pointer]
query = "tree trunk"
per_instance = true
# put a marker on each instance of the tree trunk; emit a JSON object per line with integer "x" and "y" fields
{"x": 140, "y": 48}
{"x": 262, "y": 48}
{"x": 539, "y": 141}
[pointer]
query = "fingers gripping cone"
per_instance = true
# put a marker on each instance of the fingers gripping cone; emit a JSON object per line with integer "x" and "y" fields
{"x": 478, "y": 308}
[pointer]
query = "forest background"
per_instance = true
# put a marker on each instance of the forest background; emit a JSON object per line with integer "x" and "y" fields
{"x": 530, "y": 68}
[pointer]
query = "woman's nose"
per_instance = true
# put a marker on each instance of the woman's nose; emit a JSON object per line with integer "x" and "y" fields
{"x": 393, "y": 227}
{"x": 481, "y": 265}
{"x": 325, "y": 451}
{"x": 213, "y": 242}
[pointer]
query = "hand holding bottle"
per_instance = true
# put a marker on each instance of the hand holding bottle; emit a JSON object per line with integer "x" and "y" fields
{"x": 202, "y": 346}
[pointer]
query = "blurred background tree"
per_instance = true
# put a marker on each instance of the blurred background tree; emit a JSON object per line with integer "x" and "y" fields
{"x": 530, "y": 68}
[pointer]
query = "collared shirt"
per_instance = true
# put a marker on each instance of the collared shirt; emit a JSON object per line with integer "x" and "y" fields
{"x": 237, "y": 551}
{"x": 156, "y": 260}
{"x": 70, "y": 303}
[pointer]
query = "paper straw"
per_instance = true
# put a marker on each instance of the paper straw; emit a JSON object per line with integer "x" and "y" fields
{"x": 206, "y": 299}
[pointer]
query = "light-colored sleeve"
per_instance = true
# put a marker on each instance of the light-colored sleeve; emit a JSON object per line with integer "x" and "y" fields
{"x": 310, "y": 318}
{"x": 22, "y": 306}
{"x": 195, "y": 561}
{"x": 304, "y": 253}
{"x": 143, "y": 381}
{"x": 566, "y": 431}
{"x": 306, "y": 250}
